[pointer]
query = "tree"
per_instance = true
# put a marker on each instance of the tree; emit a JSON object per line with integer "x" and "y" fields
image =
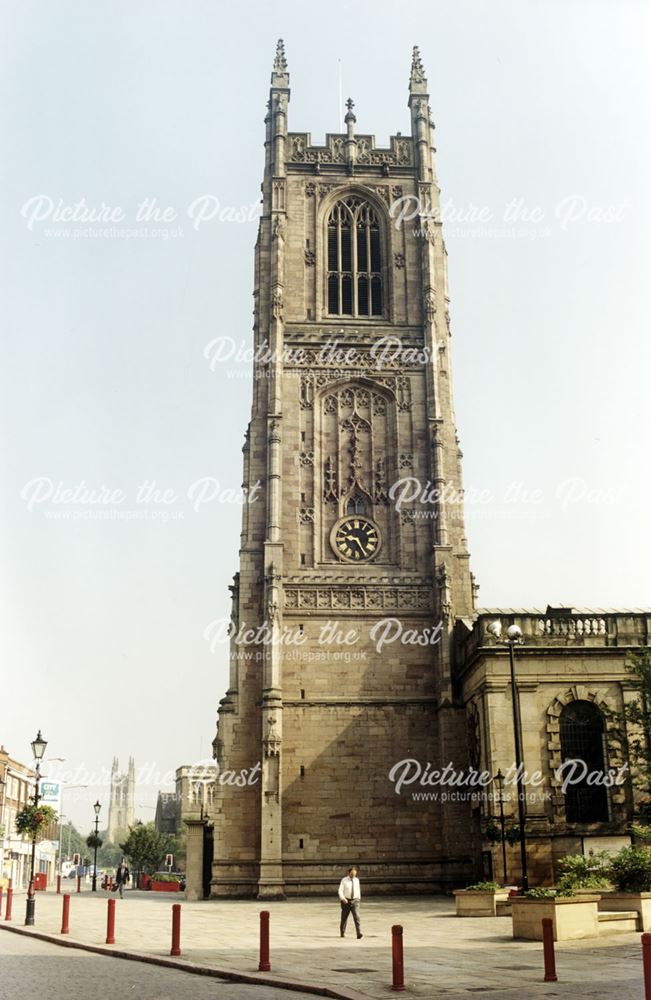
{"x": 109, "y": 855}
{"x": 145, "y": 848}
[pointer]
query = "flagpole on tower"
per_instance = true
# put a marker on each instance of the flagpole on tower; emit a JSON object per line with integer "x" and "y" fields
{"x": 341, "y": 96}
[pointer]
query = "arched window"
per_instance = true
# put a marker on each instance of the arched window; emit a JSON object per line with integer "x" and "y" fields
{"x": 582, "y": 739}
{"x": 356, "y": 504}
{"x": 354, "y": 260}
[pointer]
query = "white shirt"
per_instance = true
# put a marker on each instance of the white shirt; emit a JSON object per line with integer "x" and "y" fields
{"x": 349, "y": 889}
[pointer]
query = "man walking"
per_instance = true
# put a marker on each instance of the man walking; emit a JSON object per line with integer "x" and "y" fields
{"x": 350, "y": 896}
{"x": 122, "y": 876}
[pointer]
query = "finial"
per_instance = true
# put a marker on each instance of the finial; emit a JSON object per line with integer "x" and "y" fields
{"x": 417, "y": 78}
{"x": 280, "y": 62}
{"x": 279, "y": 73}
{"x": 350, "y": 116}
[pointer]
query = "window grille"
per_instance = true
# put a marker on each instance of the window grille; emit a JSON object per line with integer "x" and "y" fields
{"x": 583, "y": 738}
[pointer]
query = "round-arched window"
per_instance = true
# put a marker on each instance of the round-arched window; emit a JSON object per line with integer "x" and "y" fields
{"x": 583, "y": 740}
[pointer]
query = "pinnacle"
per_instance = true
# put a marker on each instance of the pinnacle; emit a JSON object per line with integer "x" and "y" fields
{"x": 280, "y": 62}
{"x": 417, "y": 68}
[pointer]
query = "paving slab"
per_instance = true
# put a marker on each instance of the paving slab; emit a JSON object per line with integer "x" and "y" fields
{"x": 445, "y": 955}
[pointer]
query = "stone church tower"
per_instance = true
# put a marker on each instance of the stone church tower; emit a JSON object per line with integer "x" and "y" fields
{"x": 347, "y": 591}
{"x": 122, "y": 803}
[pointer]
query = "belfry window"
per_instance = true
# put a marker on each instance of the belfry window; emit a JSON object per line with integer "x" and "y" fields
{"x": 582, "y": 740}
{"x": 354, "y": 260}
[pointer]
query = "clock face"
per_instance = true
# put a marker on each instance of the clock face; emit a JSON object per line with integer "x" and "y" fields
{"x": 355, "y": 538}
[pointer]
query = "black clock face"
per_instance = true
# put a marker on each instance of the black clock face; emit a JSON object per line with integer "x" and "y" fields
{"x": 355, "y": 539}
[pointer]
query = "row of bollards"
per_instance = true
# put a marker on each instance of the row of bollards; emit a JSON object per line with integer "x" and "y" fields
{"x": 397, "y": 955}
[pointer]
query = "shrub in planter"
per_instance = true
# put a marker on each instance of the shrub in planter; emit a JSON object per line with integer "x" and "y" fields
{"x": 630, "y": 869}
{"x": 480, "y": 899}
{"x": 583, "y": 871}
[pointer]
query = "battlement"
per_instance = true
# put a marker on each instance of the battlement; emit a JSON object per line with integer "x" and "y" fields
{"x": 300, "y": 150}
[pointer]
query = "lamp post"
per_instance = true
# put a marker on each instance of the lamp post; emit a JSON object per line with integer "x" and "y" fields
{"x": 38, "y": 749}
{"x": 499, "y": 778}
{"x": 65, "y": 788}
{"x": 97, "y": 808}
{"x": 513, "y": 636}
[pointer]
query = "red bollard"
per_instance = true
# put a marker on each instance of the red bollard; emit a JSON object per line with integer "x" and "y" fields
{"x": 264, "y": 965}
{"x": 646, "y": 962}
{"x": 176, "y": 929}
{"x": 110, "y": 922}
{"x": 548, "y": 951}
{"x": 10, "y": 896}
{"x": 65, "y": 914}
{"x": 78, "y": 883}
{"x": 397, "y": 958}
{"x": 58, "y": 885}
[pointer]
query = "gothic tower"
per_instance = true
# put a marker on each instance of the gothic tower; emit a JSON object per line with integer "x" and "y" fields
{"x": 122, "y": 801}
{"x": 353, "y": 564}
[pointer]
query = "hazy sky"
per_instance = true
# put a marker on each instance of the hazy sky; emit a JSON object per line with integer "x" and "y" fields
{"x": 542, "y": 107}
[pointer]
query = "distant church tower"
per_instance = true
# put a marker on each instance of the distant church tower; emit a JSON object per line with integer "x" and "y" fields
{"x": 122, "y": 804}
{"x": 327, "y": 543}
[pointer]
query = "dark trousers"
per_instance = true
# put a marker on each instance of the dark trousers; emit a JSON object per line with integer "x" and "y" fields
{"x": 348, "y": 907}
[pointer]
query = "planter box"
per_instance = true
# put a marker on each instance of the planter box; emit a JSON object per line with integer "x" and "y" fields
{"x": 145, "y": 882}
{"x": 479, "y": 904}
{"x": 165, "y": 886}
{"x": 615, "y": 902}
{"x": 573, "y": 918}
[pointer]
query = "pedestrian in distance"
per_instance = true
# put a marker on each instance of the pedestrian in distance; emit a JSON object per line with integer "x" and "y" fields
{"x": 350, "y": 897}
{"x": 122, "y": 876}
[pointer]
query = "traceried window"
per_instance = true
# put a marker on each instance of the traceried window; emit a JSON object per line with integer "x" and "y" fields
{"x": 354, "y": 260}
{"x": 356, "y": 504}
{"x": 582, "y": 739}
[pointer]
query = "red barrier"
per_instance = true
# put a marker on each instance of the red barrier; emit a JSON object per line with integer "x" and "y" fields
{"x": 78, "y": 883}
{"x": 548, "y": 951}
{"x": 397, "y": 958}
{"x": 10, "y": 896}
{"x": 176, "y": 929}
{"x": 110, "y": 922}
{"x": 58, "y": 885}
{"x": 646, "y": 962}
{"x": 65, "y": 914}
{"x": 264, "y": 965}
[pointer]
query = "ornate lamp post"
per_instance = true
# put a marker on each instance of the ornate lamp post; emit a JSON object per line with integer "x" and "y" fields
{"x": 513, "y": 636}
{"x": 38, "y": 749}
{"x": 499, "y": 778}
{"x": 97, "y": 808}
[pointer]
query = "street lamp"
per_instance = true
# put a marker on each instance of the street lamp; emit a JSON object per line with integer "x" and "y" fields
{"x": 513, "y": 636}
{"x": 97, "y": 808}
{"x": 62, "y": 816}
{"x": 499, "y": 778}
{"x": 38, "y": 749}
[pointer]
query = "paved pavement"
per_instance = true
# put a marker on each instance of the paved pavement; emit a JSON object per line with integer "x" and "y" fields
{"x": 444, "y": 955}
{"x": 34, "y": 970}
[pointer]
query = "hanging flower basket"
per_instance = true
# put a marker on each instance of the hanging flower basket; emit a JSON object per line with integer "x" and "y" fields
{"x": 33, "y": 820}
